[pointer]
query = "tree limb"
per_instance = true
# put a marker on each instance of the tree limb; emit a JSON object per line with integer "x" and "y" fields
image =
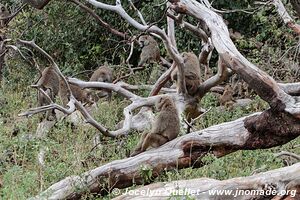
{"x": 99, "y": 20}
{"x": 287, "y": 19}
{"x": 246, "y": 188}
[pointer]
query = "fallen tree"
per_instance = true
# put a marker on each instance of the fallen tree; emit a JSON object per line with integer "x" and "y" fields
{"x": 279, "y": 183}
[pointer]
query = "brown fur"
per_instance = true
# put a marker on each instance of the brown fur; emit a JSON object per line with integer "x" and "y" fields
{"x": 192, "y": 72}
{"x": 150, "y": 50}
{"x": 226, "y": 99}
{"x": 53, "y": 85}
{"x": 49, "y": 83}
{"x": 166, "y": 127}
{"x": 79, "y": 93}
{"x": 103, "y": 74}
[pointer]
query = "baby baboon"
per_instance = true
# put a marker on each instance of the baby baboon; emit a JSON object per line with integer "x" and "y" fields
{"x": 165, "y": 128}
{"x": 3, "y": 14}
{"x": 49, "y": 82}
{"x": 103, "y": 74}
{"x": 150, "y": 50}
{"x": 192, "y": 72}
{"x": 80, "y": 94}
{"x": 226, "y": 99}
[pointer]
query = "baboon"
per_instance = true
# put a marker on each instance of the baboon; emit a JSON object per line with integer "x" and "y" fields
{"x": 80, "y": 94}
{"x": 226, "y": 99}
{"x": 165, "y": 127}
{"x": 191, "y": 71}
{"x": 150, "y": 50}
{"x": 192, "y": 76}
{"x": 49, "y": 82}
{"x": 53, "y": 85}
{"x": 3, "y": 14}
{"x": 103, "y": 74}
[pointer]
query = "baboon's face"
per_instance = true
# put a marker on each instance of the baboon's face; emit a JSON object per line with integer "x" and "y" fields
{"x": 163, "y": 103}
{"x": 186, "y": 56}
{"x": 104, "y": 77}
{"x": 144, "y": 41}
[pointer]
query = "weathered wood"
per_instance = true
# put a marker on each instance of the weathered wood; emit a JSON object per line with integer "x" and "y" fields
{"x": 287, "y": 19}
{"x": 43, "y": 128}
{"x": 262, "y": 185}
{"x": 185, "y": 151}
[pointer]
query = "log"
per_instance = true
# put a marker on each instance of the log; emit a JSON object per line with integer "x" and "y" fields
{"x": 258, "y": 131}
{"x": 263, "y": 185}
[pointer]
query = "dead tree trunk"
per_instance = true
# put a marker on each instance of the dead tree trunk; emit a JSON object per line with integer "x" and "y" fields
{"x": 267, "y": 185}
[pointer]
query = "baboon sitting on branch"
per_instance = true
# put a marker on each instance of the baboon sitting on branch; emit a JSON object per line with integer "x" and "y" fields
{"x": 166, "y": 127}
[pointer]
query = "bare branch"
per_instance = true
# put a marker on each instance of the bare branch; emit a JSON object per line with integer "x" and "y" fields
{"x": 171, "y": 27}
{"x": 131, "y": 50}
{"x": 89, "y": 119}
{"x": 215, "y": 80}
{"x": 99, "y": 20}
{"x": 287, "y": 19}
{"x": 138, "y": 12}
{"x": 144, "y": 87}
{"x": 51, "y": 106}
{"x": 101, "y": 85}
{"x": 162, "y": 80}
{"x": 46, "y": 95}
{"x": 285, "y": 153}
{"x": 194, "y": 29}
